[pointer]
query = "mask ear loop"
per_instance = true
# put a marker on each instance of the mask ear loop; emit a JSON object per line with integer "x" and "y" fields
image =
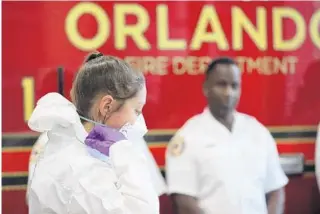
{"x": 105, "y": 119}
{"x": 121, "y": 102}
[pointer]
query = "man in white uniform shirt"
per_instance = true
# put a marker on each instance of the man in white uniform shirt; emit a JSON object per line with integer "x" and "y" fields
{"x": 222, "y": 161}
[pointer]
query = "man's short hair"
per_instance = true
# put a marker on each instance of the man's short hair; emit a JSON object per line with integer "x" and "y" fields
{"x": 219, "y": 61}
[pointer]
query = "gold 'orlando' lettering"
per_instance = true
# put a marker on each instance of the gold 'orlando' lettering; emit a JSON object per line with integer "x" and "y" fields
{"x": 71, "y": 26}
{"x": 240, "y": 22}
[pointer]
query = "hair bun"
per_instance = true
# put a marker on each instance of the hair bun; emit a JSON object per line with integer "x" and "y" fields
{"x": 93, "y": 55}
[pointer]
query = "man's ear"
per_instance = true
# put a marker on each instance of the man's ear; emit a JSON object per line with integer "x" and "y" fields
{"x": 205, "y": 89}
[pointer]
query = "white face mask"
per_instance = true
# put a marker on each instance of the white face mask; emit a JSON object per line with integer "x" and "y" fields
{"x": 131, "y": 131}
{"x": 135, "y": 131}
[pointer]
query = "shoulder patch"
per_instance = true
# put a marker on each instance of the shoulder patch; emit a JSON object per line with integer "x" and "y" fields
{"x": 176, "y": 145}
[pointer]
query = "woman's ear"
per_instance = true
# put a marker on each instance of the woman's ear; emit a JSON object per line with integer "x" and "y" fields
{"x": 106, "y": 106}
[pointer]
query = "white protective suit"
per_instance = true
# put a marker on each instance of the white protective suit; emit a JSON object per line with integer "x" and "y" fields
{"x": 317, "y": 157}
{"x": 157, "y": 179}
{"x": 67, "y": 179}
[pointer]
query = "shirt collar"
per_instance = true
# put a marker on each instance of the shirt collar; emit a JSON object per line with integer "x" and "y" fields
{"x": 213, "y": 121}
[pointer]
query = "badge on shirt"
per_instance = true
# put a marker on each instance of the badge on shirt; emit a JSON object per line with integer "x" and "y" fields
{"x": 176, "y": 145}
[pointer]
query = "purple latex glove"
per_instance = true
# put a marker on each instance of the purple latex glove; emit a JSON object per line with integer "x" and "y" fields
{"x": 102, "y": 137}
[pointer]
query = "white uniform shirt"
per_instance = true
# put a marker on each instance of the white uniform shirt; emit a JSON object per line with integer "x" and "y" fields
{"x": 317, "y": 157}
{"x": 229, "y": 173}
{"x": 68, "y": 180}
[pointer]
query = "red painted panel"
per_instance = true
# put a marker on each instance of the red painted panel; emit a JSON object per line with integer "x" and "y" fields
{"x": 14, "y": 202}
{"x": 275, "y": 99}
{"x": 306, "y": 149}
{"x": 15, "y": 162}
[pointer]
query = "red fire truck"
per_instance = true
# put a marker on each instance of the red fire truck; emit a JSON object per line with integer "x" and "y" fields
{"x": 277, "y": 46}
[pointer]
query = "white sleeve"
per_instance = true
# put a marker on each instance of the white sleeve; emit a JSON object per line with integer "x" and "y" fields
{"x": 132, "y": 194}
{"x": 37, "y": 149}
{"x": 134, "y": 178}
{"x": 181, "y": 169}
{"x": 155, "y": 173}
{"x": 275, "y": 177}
{"x": 97, "y": 194}
{"x": 317, "y": 157}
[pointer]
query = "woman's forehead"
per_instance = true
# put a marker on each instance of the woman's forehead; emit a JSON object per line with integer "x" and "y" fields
{"x": 140, "y": 98}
